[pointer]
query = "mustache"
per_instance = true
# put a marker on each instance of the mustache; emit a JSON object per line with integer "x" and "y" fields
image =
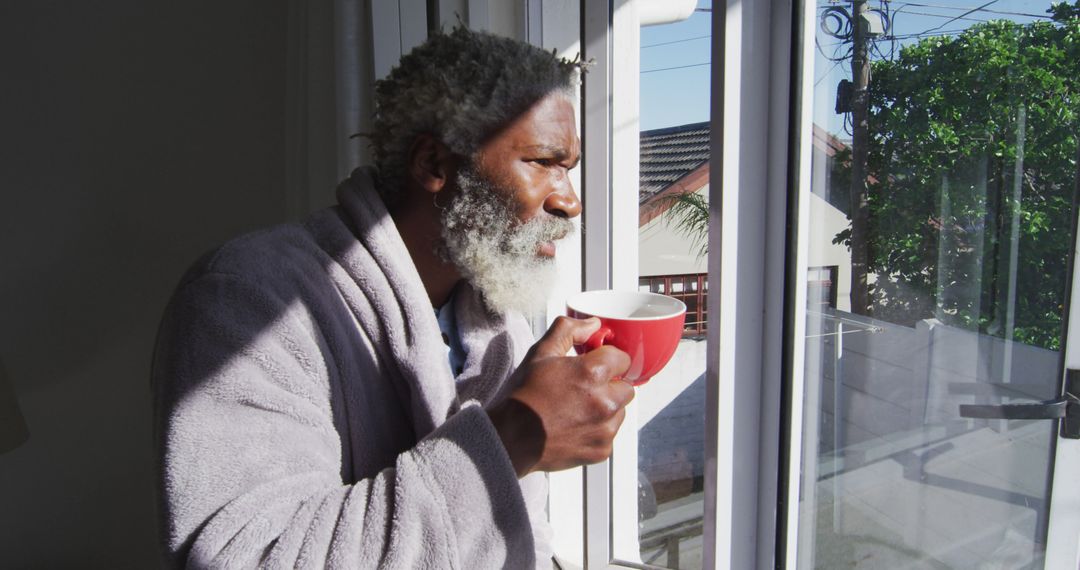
{"x": 544, "y": 229}
{"x": 482, "y": 202}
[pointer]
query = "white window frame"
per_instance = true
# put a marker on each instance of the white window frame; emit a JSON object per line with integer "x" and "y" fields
{"x": 750, "y": 135}
{"x": 750, "y": 131}
{"x": 610, "y": 128}
{"x": 1063, "y": 533}
{"x": 803, "y": 29}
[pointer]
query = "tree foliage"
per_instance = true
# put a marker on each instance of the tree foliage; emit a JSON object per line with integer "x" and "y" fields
{"x": 968, "y": 134}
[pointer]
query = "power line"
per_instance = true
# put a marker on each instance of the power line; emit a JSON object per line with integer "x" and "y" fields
{"x": 836, "y": 51}
{"x": 922, "y": 34}
{"x": 1001, "y": 12}
{"x": 835, "y": 65}
{"x": 983, "y": 7}
{"x": 902, "y": 37}
{"x": 912, "y": 35}
{"x": 677, "y": 41}
{"x": 901, "y": 5}
{"x": 817, "y": 44}
{"x": 947, "y": 16}
{"x": 875, "y": 47}
{"x": 676, "y": 67}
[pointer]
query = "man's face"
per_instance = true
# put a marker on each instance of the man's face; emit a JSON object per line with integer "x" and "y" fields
{"x": 512, "y": 203}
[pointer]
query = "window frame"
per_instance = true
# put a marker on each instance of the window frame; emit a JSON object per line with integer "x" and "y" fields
{"x": 602, "y": 268}
{"x": 743, "y": 419}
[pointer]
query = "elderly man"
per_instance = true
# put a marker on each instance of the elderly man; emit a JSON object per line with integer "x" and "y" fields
{"x": 361, "y": 390}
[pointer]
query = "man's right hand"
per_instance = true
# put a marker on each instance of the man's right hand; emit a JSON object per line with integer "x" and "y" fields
{"x": 566, "y": 409}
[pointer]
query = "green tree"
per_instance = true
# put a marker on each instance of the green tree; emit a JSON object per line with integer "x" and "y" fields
{"x": 969, "y": 135}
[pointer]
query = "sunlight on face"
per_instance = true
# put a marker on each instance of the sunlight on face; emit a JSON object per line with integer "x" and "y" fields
{"x": 483, "y": 237}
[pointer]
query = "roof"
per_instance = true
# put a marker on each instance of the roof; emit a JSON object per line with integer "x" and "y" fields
{"x": 669, "y": 154}
{"x": 829, "y": 143}
{"x": 675, "y": 160}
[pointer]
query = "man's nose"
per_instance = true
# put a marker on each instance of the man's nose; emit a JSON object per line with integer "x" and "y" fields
{"x": 564, "y": 203}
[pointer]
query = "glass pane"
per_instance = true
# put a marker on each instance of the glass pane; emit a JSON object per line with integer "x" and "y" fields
{"x": 672, "y": 226}
{"x": 944, "y": 162}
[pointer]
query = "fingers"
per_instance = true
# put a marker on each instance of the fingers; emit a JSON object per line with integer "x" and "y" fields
{"x": 620, "y": 392}
{"x": 606, "y": 363}
{"x": 564, "y": 333}
{"x": 600, "y": 442}
{"x": 583, "y": 329}
{"x": 603, "y": 369}
{"x": 580, "y": 401}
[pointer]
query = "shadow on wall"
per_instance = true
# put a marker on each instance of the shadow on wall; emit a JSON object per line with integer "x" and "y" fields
{"x": 136, "y": 137}
{"x": 671, "y": 446}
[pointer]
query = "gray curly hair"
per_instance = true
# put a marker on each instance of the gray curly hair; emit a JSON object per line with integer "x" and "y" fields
{"x": 460, "y": 88}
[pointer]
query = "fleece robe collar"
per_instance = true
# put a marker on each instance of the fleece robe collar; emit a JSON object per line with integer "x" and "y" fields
{"x": 407, "y": 327}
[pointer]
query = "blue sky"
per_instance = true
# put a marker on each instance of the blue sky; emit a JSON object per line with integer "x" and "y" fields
{"x": 675, "y": 83}
{"x": 676, "y": 96}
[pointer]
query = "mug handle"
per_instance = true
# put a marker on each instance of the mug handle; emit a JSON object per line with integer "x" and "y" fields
{"x": 599, "y": 338}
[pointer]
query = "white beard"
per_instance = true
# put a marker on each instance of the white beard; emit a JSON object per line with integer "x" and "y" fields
{"x": 483, "y": 237}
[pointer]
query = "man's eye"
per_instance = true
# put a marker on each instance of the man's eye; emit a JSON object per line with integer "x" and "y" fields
{"x": 544, "y": 161}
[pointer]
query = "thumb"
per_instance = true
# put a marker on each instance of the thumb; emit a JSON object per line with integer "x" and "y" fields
{"x": 564, "y": 333}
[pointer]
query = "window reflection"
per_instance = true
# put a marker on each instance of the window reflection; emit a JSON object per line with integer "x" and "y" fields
{"x": 944, "y": 162}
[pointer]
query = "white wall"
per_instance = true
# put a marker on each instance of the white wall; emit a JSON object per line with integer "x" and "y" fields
{"x": 825, "y": 222}
{"x": 507, "y": 18}
{"x": 664, "y": 250}
{"x": 135, "y": 136}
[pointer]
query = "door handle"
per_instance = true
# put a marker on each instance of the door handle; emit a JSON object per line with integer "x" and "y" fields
{"x": 1065, "y": 407}
{"x": 1047, "y": 410}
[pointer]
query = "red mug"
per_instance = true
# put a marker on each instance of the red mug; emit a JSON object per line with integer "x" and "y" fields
{"x": 646, "y": 326}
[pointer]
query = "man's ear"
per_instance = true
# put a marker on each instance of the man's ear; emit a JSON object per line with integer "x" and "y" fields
{"x": 430, "y": 163}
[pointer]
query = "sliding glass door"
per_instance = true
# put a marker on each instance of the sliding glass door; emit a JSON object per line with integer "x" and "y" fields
{"x": 933, "y": 259}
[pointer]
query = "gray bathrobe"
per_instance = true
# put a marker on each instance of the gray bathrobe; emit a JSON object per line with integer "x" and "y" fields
{"x": 306, "y": 414}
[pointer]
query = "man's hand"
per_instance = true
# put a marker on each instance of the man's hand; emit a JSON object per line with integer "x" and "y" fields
{"x": 566, "y": 409}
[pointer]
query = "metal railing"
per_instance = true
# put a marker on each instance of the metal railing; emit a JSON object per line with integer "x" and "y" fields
{"x": 690, "y": 288}
{"x": 666, "y": 540}
{"x": 822, "y": 287}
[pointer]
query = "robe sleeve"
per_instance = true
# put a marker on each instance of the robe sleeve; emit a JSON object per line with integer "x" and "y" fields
{"x": 251, "y": 462}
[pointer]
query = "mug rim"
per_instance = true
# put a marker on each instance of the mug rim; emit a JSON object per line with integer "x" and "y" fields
{"x": 679, "y": 307}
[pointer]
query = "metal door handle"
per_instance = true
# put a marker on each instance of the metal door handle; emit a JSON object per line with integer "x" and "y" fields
{"x": 1065, "y": 407}
{"x": 1048, "y": 410}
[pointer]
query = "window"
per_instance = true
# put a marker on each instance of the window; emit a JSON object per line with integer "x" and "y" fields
{"x": 775, "y": 481}
{"x": 935, "y": 144}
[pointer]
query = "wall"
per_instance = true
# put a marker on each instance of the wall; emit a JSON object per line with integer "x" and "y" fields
{"x": 134, "y": 136}
{"x": 671, "y": 423}
{"x": 664, "y": 250}
{"x": 895, "y": 380}
{"x": 825, "y": 222}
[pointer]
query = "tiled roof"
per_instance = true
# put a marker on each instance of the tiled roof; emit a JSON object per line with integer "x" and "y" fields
{"x": 669, "y": 154}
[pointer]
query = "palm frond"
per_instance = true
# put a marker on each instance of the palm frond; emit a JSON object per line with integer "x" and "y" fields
{"x": 689, "y": 215}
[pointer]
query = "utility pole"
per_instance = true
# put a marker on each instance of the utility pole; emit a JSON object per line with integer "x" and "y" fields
{"x": 860, "y": 139}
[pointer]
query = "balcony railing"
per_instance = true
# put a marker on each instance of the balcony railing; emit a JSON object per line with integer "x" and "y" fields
{"x": 821, "y": 287}
{"x": 690, "y": 288}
